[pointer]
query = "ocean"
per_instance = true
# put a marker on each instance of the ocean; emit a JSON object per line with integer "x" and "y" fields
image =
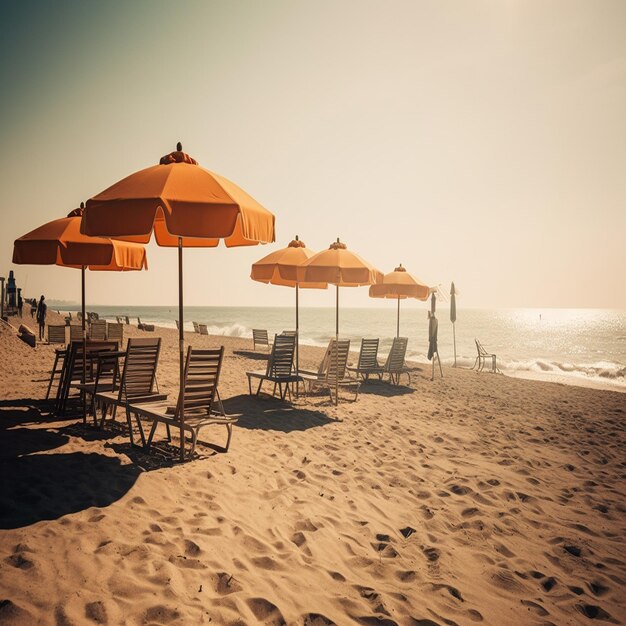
{"x": 578, "y": 346}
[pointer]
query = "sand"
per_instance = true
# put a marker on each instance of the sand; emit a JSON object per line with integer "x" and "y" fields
{"x": 472, "y": 499}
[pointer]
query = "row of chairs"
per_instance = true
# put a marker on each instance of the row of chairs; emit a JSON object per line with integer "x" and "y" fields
{"x": 201, "y": 329}
{"x": 136, "y": 388}
{"x": 98, "y": 331}
{"x": 333, "y": 372}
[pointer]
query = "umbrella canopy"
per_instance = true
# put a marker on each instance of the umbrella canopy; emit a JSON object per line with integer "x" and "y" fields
{"x": 184, "y": 205}
{"x": 400, "y": 285}
{"x": 178, "y": 198}
{"x": 60, "y": 242}
{"x": 280, "y": 268}
{"x": 339, "y": 266}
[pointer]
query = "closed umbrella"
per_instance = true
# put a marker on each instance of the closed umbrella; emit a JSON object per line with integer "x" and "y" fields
{"x": 453, "y": 317}
{"x": 399, "y": 285}
{"x": 60, "y": 242}
{"x": 340, "y": 267}
{"x": 280, "y": 268}
{"x": 184, "y": 205}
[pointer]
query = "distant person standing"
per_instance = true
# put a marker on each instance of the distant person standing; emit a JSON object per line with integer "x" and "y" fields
{"x": 33, "y": 307}
{"x": 42, "y": 308}
{"x": 20, "y": 303}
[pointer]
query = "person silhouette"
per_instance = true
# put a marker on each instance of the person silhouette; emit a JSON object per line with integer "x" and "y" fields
{"x": 42, "y": 309}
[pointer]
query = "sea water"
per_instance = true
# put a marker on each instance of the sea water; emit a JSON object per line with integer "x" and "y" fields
{"x": 568, "y": 345}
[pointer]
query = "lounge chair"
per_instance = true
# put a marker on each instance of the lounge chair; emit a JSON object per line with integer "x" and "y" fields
{"x": 279, "y": 368}
{"x": 144, "y": 327}
{"x": 203, "y": 329}
{"x": 76, "y": 332}
{"x": 196, "y": 327}
{"x": 201, "y": 378}
{"x": 115, "y": 332}
{"x": 394, "y": 365}
{"x": 331, "y": 373}
{"x": 72, "y": 371}
{"x": 98, "y": 330}
{"x": 56, "y": 334}
{"x": 57, "y": 369}
{"x": 137, "y": 383}
{"x": 126, "y": 320}
{"x": 482, "y": 357}
{"x": 368, "y": 360}
{"x": 260, "y": 338}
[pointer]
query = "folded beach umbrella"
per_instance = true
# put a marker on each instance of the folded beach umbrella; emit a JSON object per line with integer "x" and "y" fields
{"x": 453, "y": 316}
{"x": 184, "y": 205}
{"x": 340, "y": 267}
{"x": 60, "y": 242}
{"x": 399, "y": 285}
{"x": 280, "y": 268}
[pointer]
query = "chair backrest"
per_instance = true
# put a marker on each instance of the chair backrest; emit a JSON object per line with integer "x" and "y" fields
{"x": 368, "y": 356}
{"x": 115, "y": 332}
{"x": 481, "y": 350}
{"x": 79, "y": 315}
{"x": 202, "y": 375}
{"x": 260, "y": 336}
{"x": 98, "y": 330}
{"x": 289, "y": 333}
{"x": 395, "y": 358}
{"x": 337, "y": 360}
{"x": 56, "y": 334}
{"x": 75, "y": 360}
{"x": 140, "y": 366}
{"x": 203, "y": 329}
{"x": 196, "y": 328}
{"x": 177, "y": 325}
{"x": 280, "y": 362}
{"x": 76, "y": 332}
{"x": 126, "y": 319}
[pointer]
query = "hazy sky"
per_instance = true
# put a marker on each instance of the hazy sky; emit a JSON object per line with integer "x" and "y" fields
{"x": 477, "y": 141}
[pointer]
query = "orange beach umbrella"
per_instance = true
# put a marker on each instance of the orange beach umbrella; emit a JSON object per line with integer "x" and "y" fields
{"x": 280, "y": 268}
{"x": 399, "y": 285}
{"x": 60, "y": 242}
{"x": 184, "y": 205}
{"x": 340, "y": 267}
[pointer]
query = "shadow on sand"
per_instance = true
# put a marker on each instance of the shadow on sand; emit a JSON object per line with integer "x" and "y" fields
{"x": 38, "y": 487}
{"x": 382, "y": 388}
{"x": 249, "y": 354}
{"x": 47, "y": 486}
{"x": 267, "y": 413}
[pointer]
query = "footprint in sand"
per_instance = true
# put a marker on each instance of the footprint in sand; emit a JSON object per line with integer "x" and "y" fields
{"x": 96, "y": 612}
{"x": 264, "y": 610}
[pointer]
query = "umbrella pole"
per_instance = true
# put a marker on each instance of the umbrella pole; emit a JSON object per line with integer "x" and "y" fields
{"x": 297, "y": 344}
{"x": 181, "y": 345}
{"x": 337, "y": 347}
{"x": 454, "y": 340}
{"x": 398, "y": 325}
{"x": 84, "y": 375}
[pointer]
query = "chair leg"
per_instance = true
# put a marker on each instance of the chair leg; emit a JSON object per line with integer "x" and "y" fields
{"x": 229, "y": 428}
{"x": 130, "y": 425}
{"x": 151, "y": 435}
{"x": 258, "y": 391}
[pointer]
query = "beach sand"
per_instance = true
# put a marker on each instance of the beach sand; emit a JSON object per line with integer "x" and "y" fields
{"x": 478, "y": 498}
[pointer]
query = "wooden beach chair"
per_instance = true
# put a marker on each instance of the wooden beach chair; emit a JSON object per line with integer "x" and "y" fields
{"x": 368, "y": 360}
{"x": 203, "y": 329}
{"x": 98, "y": 330}
{"x": 331, "y": 373}
{"x": 126, "y": 320}
{"x": 56, "y": 334}
{"x": 144, "y": 327}
{"x": 201, "y": 378}
{"x": 72, "y": 371}
{"x": 395, "y": 365}
{"x": 196, "y": 327}
{"x": 260, "y": 338}
{"x": 57, "y": 369}
{"x": 279, "y": 368}
{"x": 76, "y": 332}
{"x": 482, "y": 357}
{"x": 115, "y": 332}
{"x": 137, "y": 382}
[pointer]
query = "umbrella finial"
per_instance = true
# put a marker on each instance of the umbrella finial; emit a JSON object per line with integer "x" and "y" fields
{"x": 337, "y": 245}
{"x": 297, "y": 238}
{"x": 179, "y": 146}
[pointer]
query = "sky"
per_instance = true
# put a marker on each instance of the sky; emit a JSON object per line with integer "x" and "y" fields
{"x": 479, "y": 141}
